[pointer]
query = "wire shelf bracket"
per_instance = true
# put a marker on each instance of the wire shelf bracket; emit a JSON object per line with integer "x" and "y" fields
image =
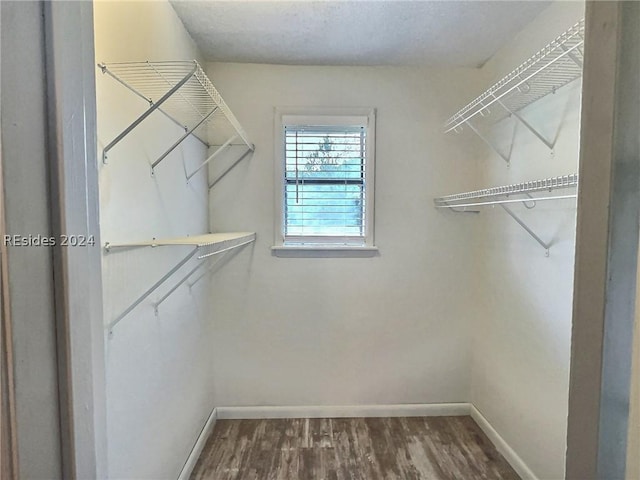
{"x": 185, "y": 95}
{"x": 502, "y": 196}
{"x": 204, "y": 245}
{"x": 225, "y": 146}
{"x": 488, "y": 142}
{"x": 231, "y": 167}
{"x": 105, "y": 71}
{"x": 556, "y": 65}
{"x": 519, "y": 221}
{"x": 205, "y": 273}
{"x": 528, "y": 126}
{"x": 156, "y": 305}
{"x": 180, "y": 140}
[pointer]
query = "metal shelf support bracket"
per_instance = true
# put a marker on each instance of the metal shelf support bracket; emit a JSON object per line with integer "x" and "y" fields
{"x": 545, "y": 245}
{"x": 152, "y": 289}
{"x": 148, "y": 112}
{"x": 106, "y": 71}
{"x": 219, "y": 255}
{"x": 503, "y": 195}
{"x": 206, "y": 272}
{"x": 157, "y": 304}
{"x": 552, "y": 67}
{"x": 223, "y": 174}
{"x": 219, "y": 150}
{"x": 488, "y": 142}
{"x": 572, "y": 55}
{"x": 527, "y": 125}
{"x": 181, "y": 139}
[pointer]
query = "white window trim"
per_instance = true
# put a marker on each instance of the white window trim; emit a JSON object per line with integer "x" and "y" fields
{"x": 324, "y": 116}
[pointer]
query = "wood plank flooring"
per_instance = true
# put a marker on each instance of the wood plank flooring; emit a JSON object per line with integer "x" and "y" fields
{"x": 415, "y": 448}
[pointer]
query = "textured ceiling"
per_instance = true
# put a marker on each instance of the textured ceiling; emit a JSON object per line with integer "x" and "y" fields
{"x": 354, "y": 32}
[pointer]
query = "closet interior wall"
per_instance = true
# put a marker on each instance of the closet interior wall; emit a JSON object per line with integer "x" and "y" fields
{"x": 522, "y": 326}
{"x": 158, "y": 368}
{"x": 327, "y": 332}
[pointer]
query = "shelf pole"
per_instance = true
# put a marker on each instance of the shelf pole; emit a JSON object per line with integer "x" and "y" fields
{"x": 488, "y": 142}
{"x": 527, "y": 125}
{"x": 212, "y": 156}
{"x": 181, "y": 139}
{"x": 509, "y": 200}
{"x": 546, "y": 246}
{"x": 151, "y": 290}
{"x": 153, "y": 108}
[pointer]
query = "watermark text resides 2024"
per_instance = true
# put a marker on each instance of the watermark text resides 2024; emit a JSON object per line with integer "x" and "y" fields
{"x": 48, "y": 241}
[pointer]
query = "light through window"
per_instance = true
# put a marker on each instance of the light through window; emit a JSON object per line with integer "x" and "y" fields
{"x": 325, "y": 188}
{"x": 324, "y": 175}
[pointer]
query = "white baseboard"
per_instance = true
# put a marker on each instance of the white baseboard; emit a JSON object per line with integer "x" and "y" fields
{"x": 190, "y": 464}
{"x": 345, "y": 411}
{"x": 502, "y": 446}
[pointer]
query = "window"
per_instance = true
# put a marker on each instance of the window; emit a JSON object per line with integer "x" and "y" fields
{"x": 325, "y": 171}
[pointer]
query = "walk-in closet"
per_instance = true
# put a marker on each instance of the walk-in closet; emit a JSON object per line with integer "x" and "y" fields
{"x": 459, "y": 305}
{"x": 325, "y": 240}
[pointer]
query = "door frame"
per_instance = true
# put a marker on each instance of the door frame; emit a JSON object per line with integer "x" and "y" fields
{"x": 606, "y": 244}
{"x": 70, "y": 62}
{"x": 8, "y": 439}
{"x": 607, "y": 241}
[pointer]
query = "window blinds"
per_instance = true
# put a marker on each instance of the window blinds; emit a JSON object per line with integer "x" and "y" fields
{"x": 325, "y": 181}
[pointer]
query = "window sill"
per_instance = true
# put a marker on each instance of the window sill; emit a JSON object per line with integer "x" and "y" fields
{"x": 324, "y": 251}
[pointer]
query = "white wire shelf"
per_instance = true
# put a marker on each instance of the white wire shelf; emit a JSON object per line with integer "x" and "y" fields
{"x": 556, "y": 65}
{"x": 204, "y": 246}
{"x": 468, "y": 202}
{"x": 492, "y": 194}
{"x": 183, "y": 92}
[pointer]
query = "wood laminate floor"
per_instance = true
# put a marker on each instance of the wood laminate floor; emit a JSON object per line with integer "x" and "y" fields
{"x": 416, "y": 448}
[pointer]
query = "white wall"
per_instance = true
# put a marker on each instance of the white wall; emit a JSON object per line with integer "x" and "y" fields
{"x": 159, "y": 384}
{"x": 346, "y": 331}
{"x": 522, "y": 329}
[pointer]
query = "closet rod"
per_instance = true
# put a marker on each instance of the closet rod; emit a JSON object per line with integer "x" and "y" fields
{"x": 510, "y": 200}
{"x": 490, "y": 196}
{"x": 543, "y": 185}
